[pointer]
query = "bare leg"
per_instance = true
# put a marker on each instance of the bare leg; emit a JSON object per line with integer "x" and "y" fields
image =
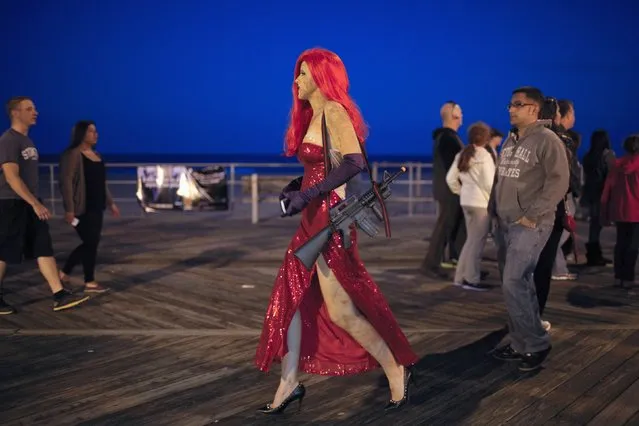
{"x": 290, "y": 361}
{"x": 3, "y": 270}
{"x": 344, "y": 313}
{"x": 49, "y": 271}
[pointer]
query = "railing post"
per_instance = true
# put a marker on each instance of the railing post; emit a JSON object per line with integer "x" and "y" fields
{"x": 231, "y": 188}
{"x": 52, "y": 187}
{"x": 418, "y": 180}
{"x": 255, "y": 214}
{"x": 375, "y": 170}
{"x": 411, "y": 168}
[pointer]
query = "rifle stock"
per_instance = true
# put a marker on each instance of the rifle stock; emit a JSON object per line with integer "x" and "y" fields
{"x": 310, "y": 251}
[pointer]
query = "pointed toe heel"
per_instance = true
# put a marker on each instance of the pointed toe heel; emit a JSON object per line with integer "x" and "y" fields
{"x": 409, "y": 378}
{"x": 298, "y": 394}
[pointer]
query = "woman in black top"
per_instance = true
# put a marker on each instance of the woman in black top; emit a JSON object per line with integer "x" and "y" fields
{"x": 85, "y": 196}
{"x": 543, "y": 271}
{"x": 596, "y": 163}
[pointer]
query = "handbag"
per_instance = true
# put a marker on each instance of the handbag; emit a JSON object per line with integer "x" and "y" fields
{"x": 568, "y": 221}
{"x": 569, "y": 224}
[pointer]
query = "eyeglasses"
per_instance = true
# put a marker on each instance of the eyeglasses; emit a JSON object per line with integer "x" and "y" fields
{"x": 517, "y": 105}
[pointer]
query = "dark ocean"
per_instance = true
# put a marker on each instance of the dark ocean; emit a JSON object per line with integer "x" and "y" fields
{"x": 154, "y": 158}
{"x": 212, "y": 159}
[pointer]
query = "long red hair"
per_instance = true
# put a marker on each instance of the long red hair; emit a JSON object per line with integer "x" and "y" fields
{"x": 329, "y": 73}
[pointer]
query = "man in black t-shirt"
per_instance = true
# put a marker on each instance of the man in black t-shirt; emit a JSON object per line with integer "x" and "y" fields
{"x": 449, "y": 230}
{"x": 24, "y": 232}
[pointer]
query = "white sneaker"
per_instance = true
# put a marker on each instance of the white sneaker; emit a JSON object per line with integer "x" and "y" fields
{"x": 546, "y": 325}
{"x": 564, "y": 277}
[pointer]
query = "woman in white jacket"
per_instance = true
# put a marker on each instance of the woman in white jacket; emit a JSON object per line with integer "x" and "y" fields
{"x": 471, "y": 177}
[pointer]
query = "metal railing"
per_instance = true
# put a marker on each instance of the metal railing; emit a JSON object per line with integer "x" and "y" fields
{"x": 409, "y": 190}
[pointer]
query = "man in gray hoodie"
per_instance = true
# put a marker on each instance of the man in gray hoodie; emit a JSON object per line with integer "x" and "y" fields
{"x": 532, "y": 177}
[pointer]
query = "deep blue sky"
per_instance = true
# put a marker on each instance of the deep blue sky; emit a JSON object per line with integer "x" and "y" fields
{"x": 214, "y": 76}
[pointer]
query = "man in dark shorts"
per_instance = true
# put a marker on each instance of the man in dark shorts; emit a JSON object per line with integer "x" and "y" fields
{"x": 24, "y": 232}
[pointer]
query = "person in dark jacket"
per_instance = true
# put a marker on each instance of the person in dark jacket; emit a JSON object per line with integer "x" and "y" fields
{"x": 597, "y": 162}
{"x": 620, "y": 204}
{"x": 543, "y": 270}
{"x": 566, "y": 123}
{"x": 449, "y": 230}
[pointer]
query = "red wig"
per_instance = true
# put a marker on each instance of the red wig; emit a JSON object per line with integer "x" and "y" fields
{"x": 329, "y": 73}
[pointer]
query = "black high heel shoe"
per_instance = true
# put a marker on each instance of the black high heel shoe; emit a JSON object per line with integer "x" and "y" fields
{"x": 409, "y": 378}
{"x": 297, "y": 395}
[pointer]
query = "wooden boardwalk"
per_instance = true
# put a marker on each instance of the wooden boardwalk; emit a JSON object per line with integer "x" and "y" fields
{"x": 173, "y": 343}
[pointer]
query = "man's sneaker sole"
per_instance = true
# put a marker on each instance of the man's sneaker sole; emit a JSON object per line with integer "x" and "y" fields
{"x": 71, "y": 304}
{"x": 508, "y": 359}
{"x": 7, "y": 312}
{"x": 529, "y": 369}
{"x": 474, "y": 287}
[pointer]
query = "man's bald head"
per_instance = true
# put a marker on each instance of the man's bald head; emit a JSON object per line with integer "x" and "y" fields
{"x": 451, "y": 114}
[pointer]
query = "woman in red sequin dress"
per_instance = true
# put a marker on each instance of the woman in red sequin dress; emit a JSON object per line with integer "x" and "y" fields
{"x": 332, "y": 320}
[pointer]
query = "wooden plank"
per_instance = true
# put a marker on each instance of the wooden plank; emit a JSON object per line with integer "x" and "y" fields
{"x": 622, "y": 409}
{"x": 98, "y": 382}
{"x": 569, "y": 392}
{"x": 152, "y": 383}
{"x": 604, "y": 393}
{"x": 569, "y": 357}
{"x": 634, "y": 420}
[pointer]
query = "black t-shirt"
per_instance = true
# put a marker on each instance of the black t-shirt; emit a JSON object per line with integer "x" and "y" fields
{"x": 95, "y": 182}
{"x": 18, "y": 148}
{"x": 446, "y": 146}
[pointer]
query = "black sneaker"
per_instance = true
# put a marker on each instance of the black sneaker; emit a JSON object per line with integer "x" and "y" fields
{"x": 507, "y": 353}
{"x": 65, "y": 299}
{"x": 5, "y": 308}
{"x": 532, "y": 361}
{"x": 434, "y": 273}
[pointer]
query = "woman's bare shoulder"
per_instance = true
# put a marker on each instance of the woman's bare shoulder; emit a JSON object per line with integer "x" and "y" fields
{"x": 335, "y": 110}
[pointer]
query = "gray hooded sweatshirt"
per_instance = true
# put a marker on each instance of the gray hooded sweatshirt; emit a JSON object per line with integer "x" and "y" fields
{"x": 532, "y": 176}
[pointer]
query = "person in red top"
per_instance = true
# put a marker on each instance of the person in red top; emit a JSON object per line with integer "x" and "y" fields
{"x": 620, "y": 204}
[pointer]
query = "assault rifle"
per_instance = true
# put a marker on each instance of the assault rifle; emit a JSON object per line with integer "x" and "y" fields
{"x": 352, "y": 210}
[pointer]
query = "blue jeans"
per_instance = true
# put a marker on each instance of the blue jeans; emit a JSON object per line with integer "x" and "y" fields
{"x": 522, "y": 248}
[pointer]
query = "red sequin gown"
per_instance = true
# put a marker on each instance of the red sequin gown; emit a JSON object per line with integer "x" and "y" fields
{"x": 326, "y": 349}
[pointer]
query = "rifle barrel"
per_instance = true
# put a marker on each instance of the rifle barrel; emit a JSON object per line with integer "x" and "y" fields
{"x": 369, "y": 196}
